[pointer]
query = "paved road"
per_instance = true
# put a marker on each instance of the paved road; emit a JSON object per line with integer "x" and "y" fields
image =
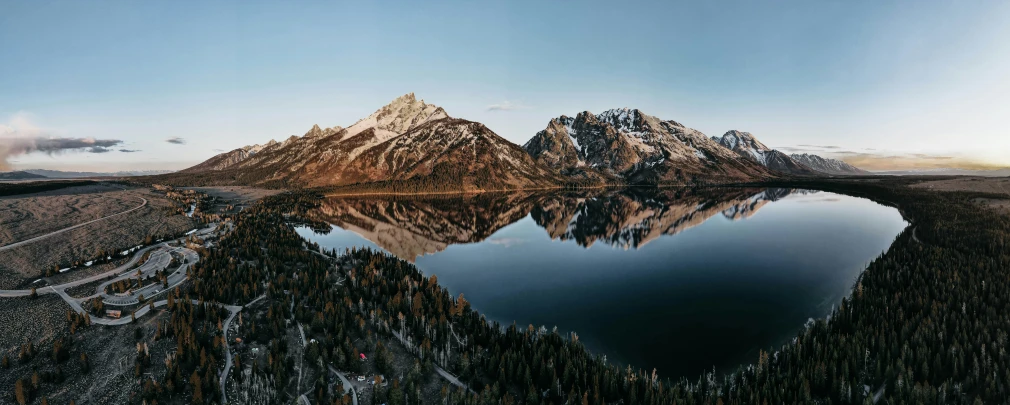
{"x": 117, "y": 270}
{"x": 191, "y": 255}
{"x": 227, "y": 365}
{"x": 451, "y": 378}
{"x": 37, "y": 238}
{"x": 347, "y": 384}
{"x": 916, "y": 237}
{"x": 445, "y": 374}
{"x": 158, "y": 261}
{"x": 227, "y": 356}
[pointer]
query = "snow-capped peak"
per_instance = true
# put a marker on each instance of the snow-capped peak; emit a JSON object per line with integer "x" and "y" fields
{"x": 745, "y": 144}
{"x": 399, "y": 116}
{"x": 623, "y": 119}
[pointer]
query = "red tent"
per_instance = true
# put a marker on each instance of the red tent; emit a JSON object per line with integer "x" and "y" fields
{"x": 362, "y": 356}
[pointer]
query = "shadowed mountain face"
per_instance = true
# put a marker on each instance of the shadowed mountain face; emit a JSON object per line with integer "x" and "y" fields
{"x": 630, "y": 218}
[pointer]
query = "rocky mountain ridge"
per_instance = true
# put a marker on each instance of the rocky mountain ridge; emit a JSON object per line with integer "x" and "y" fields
{"x": 635, "y": 147}
{"x": 409, "y": 145}
{"x": 826, "y": 165}
{"x": 406, "y": 141}
{"x": 748, "y": 146}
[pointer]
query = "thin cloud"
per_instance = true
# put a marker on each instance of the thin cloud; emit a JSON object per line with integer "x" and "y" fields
{"x": 99, "y": 149}
{"x": 505, "y": 106}
{"x": 176, "y": 140}
{"x": 129, "y": 150}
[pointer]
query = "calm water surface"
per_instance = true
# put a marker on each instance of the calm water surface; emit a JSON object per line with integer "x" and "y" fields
{"x": 677, "y": 280}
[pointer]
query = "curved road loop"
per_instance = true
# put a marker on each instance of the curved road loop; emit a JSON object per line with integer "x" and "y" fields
{"x": 227, "y": 365}
{"x": 37, "y": 238}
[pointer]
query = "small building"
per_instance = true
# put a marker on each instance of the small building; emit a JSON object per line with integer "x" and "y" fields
{"x": 114, "y": 313}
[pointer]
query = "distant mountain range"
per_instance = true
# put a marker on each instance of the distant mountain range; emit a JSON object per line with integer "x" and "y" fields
{"x": 948, "y": 172}
{"x": 57, "y": 174}
{"x": 409, "y": 145}
{"x": 20, "y": 175}
{"x": 829, "y": 166}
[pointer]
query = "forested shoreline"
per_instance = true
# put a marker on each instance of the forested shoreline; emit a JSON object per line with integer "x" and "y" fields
{"x": 925, "y": 323}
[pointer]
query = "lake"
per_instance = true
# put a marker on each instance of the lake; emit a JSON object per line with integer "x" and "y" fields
{"x": 679, "y": 280}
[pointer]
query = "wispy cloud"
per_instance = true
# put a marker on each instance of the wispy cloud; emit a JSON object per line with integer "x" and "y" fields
{"x": 129, "y": 150}
{"x": 506, "y": 106}
{"x": 20, "y": 136}
{"x": 176, "y": 140}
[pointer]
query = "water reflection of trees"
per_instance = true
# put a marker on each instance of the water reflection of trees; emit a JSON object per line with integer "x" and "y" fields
{"x": 628, "y": 218}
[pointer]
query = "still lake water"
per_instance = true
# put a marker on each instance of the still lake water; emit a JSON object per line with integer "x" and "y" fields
{"x": 678, "y": 280}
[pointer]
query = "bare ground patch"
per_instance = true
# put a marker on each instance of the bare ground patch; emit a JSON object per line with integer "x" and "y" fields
{"x": 26, "y": 216}
{"x": 994, "y": 185}
{"x": 36, "y": 320}
{"x": 160, "y": 218}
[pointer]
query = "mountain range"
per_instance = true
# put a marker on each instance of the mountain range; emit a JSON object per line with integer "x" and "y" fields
{"x": 412, "y": 146}
{"x": 59, "y": 174}
{"x": 19, "y": 175}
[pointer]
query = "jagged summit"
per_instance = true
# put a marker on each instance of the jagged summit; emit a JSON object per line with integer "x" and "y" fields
{"x": 405, "y": 140}
{"x": 397, "y": 117}
{"x": 745, "y": 144}
{"x": 627, "y": 144}
{"x": 827, "y": 165}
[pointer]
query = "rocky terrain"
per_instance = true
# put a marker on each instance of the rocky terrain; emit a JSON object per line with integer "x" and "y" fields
{"x": 744, "y": 144}
{"x": 405, "y": 141}
{"x": 633, "y": 147}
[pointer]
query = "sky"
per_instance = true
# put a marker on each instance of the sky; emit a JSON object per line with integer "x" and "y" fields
{"x": 120, "y": 85}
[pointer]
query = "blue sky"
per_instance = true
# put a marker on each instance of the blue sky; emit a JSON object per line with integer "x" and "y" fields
{"x": 924, "y": 81}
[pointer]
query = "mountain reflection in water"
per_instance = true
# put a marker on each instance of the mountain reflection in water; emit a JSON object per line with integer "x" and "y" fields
{"x": 682, "y": 280}
{"x": 629, "y": 218}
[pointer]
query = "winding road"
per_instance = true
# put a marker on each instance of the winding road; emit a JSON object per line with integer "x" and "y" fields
{"x": 70, "y": 228}
{"x": 347, "y": 384}
{"x": 227, "y": 364}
